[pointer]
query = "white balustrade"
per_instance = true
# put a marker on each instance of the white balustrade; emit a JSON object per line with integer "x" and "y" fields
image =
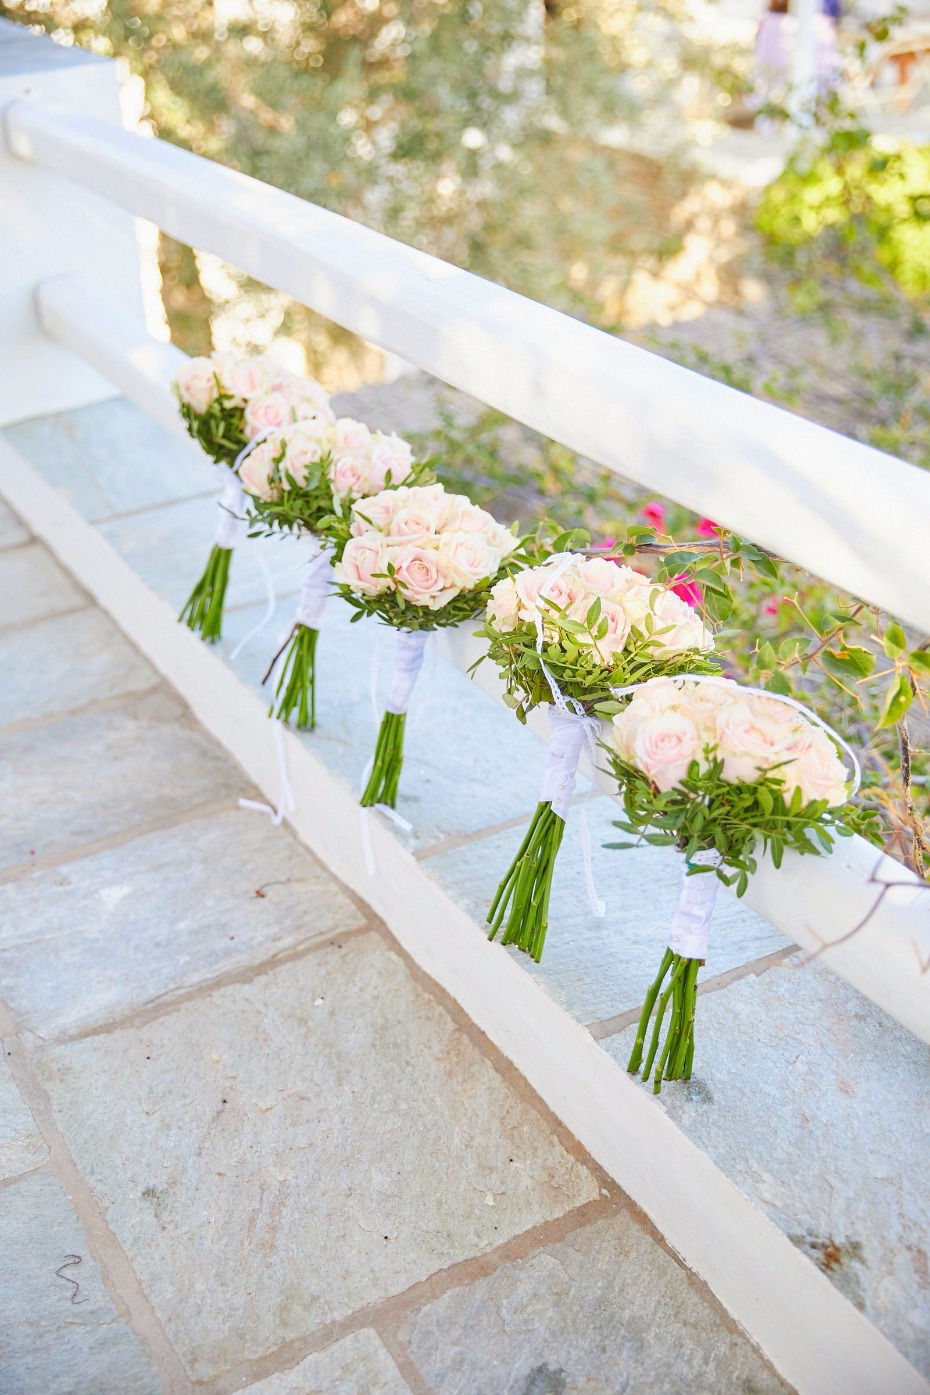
{"x": 847, "y": 513}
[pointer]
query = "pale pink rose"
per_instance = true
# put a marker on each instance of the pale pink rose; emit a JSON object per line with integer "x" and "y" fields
{"x": 817, "y": 769}
{"x": 307, "y": 398}
{"x": 348, "y": 477}
{"x": 267, "y": 412}
{"x": 420, "y": 576}
{"x": 257, "y": 468}
{"x": 504, "y": 604}
{"x": 467, "y": 559}
{"x": 662, "y": 746}
{"x": 469, "y": 518}
{"x": 416, "y": 517}
{"x": 636, "y": 597}
{"x": 677, "y": 625}
{"x": 753, "y": 735}
{"x": 618, "y": 630}
{"x": 375, "y": 512}
{"x": 564, "y": 590}
{"x": 351, "y": 438}
{"x": 247, "y": 377}
{"x": 528, "y": 585}
{"x": 605, "y": 578}
{"x": 502, "y": 539}
{"x": 224, "y": 366}
{"x": 708, "y": 697}
{"x": 391, "y": 460}
{"x": 306, "y": 443}
{"x": 196, "y": 385}
{"x": 362, "y": 558}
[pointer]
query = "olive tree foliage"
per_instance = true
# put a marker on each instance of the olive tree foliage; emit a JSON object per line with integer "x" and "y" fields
{"x": 463, "y": 127}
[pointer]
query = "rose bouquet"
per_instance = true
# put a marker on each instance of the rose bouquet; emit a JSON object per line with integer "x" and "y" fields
{"x": 565, "y": 634}
{"x": 227, "y": 405}
{"x": 418, "y": 559}
{"x": 301, "y": 479}
{"x": 716, "y": 771}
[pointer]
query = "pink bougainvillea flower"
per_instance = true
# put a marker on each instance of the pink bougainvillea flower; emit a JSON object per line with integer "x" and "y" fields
{"x": 707, "y": 527}
{"x": 687, "y": 589}
{"x": 654, "y": 513}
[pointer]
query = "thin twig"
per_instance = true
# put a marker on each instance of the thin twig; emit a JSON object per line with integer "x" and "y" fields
{"x": 278, "y": 655}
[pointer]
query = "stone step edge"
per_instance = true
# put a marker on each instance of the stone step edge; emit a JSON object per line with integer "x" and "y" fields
{"x": 814, "y": 1337}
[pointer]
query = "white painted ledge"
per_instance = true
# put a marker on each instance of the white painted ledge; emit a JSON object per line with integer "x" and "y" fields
{"x": 815, "y": 1338}
{"x": 815, "y": 901}
{"x": 845, "y": 512}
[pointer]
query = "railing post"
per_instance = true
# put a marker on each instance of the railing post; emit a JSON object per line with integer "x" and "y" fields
{"x": 50, "y": 227}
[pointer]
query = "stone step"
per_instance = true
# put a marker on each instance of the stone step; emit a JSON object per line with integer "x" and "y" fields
{"x": 792, "y": 1064}
{"x": 260, "y": 1150}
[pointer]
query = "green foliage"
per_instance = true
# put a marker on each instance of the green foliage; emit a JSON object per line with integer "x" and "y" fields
{"x": 220, "y": 430}
{"x": 733, "y": 817}
{"x": 392, "y": 609}
{"x": 852, "y": 205}
{"x": 575, "y": 664}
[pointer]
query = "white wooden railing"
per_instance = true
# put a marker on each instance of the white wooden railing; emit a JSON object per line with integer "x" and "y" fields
{"x": 853, "y": 515}
{"x": 849, "y": 514}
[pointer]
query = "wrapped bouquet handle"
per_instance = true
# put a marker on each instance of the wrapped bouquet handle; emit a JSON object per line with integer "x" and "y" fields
{"x": 388, "y": 759}
{"x": 521, "y": 905}
{"x": 203, "y": 609}
{"x": 295, "y": 689}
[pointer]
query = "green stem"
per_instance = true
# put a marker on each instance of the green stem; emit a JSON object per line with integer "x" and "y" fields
{"x": 636, "y": 1056}
{"x": 677, "y": 1054}
{"x": 514, "y": 869}
{"x": 296, "y": 687}
{"x": 384, "y": 781}
{"x": 657, "y": 1025}
{"x": 203, "y": 610}
{"x": 520, "y": 907}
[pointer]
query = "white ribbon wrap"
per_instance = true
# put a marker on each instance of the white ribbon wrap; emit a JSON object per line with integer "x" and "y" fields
{"x": 690, "y": 930}
{"x": 314, "y": 592}
{"x": 568, "y": 732}
{"x": 231, "y": 525}
{"x": 408, "y": 660}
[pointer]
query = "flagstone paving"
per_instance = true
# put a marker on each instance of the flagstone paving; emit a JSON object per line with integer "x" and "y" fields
{"x": 284, "y": 1160}
{"x": 799, "y": 1076}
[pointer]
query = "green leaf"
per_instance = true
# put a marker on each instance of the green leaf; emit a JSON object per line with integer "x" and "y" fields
{"x": 897, "y": 700}
{"x": 849, "y": 662}
{"x": 894, "y": 640}
{"x": 778, "y": 683}
{"x": 920, "y": 660}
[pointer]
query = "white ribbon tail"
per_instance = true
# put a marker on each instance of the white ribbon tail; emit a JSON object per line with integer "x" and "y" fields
{"x": 271, "y": 604}
{"x": 286, "y": 801}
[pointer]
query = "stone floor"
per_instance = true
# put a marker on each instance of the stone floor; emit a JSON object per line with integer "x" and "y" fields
{"x": 244, "y": 1142}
